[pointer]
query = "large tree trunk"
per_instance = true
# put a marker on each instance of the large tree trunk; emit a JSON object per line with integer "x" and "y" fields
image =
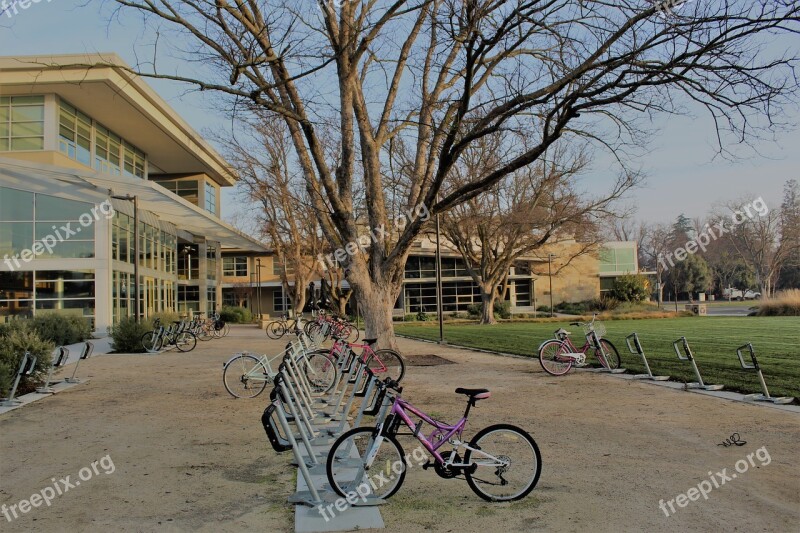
{"x": 487, "y": 311}
{"x": 375, "y": 300}
{"x": 342, "y": 303}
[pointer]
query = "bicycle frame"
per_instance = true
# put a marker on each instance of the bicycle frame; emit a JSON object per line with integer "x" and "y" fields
{"x": 444, "y": 432}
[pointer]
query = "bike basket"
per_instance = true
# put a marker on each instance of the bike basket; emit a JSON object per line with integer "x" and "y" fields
{"x": 598, "y": 327}
{"x": 219, "y": 324}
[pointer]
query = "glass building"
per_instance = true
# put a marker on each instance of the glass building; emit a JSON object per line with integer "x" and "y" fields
{"x": 77, "y": 145}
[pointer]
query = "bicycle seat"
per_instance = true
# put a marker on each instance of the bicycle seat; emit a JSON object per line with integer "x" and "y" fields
{"x": 369, "y": 342}
{"x": 574, "y": 323}
{"x": 474, "y": 394}
{"x": 562, "y": 331}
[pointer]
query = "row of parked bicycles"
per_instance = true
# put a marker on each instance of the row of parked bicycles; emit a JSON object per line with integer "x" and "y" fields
{"x": 339, "y": 326}
{"x": 326, "y": 369}
{"x": 183, "y": 334}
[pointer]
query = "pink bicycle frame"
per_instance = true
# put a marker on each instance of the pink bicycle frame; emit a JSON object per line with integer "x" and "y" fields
{"x": 443, "y": 431}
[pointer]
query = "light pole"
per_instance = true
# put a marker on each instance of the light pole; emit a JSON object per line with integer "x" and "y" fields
{"x": 258, "y": 285}
{"x": 550, "y": 275}
{"x": 135, "y": 200}
{"x": 439, "y": 306}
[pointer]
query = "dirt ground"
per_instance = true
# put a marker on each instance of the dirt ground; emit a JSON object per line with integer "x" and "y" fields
{"x": 188, "y": 457}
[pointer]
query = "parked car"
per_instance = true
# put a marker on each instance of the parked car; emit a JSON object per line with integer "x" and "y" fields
{"x": 735, "y": 294}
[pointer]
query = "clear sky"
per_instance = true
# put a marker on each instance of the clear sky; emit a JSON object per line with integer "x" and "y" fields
{"x": 683, "y": 175}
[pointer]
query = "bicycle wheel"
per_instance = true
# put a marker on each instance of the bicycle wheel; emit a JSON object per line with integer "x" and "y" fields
{"x": 321, "y": 372}
{"x": 185, "y": 341}
{"x": 612, "y": 359}
{"x": 151, "y": 342}
{"x": 387, "y": 364}
{"x": 203, "y": 333}
{"x": 347, "y": 472}
{"x": 245, "y": 376}
{"x": 506, "y": 464}
{"x": 351, "y": 334}
{"x": 275, "y": 330}
{"x": 226, "y": 329}
{"x": 551, "y": 358}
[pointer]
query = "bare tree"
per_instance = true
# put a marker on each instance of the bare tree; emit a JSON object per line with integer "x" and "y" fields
{"x": 439, "y": 75}
{"x": 657, "y": 243}
{"x": 262, "y": 157}
{"x": 242, "y": 291}
{"x": 527, "y": 210}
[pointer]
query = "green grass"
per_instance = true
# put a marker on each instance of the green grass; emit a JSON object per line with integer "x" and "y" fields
{"x": 713, "y": 341}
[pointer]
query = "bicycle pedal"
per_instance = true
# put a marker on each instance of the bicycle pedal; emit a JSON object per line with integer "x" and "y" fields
{"x": 428, "y": 465}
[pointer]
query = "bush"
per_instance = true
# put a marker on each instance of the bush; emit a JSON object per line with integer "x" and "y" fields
{"x": 15, "y": 339}
{"x": 785, "y": 303}
{"x": 502, "y": 309}
{"x": 543, "y": 308}
{"x": 422, "y": 316}
{"x": 630, "y": 288}
{"x": 61, "y": 329}
{"x": 235, "y": 315}
{"x": 604, "y": 303}
{"x": 126, "y": 336}
{"x": 410, "y": 318}
{"x": 474, "y": 310}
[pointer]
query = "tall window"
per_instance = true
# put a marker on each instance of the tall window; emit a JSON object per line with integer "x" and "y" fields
{"x": 277, "y": 267}
{"x": 84, "y": 140}
{"x": 282, "y": 300}
{"x": 21, "y": 123}
{"x": 211, "y": 198}
{"x": 234, "y": 266}
{"x": 184, "y": 188}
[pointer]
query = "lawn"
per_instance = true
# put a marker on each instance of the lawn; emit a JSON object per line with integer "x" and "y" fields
{"x": 713, "y": 341}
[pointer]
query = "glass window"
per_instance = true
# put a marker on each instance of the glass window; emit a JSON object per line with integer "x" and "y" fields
{"x": 16, "y": 285}
{"x": 15, "y": 237}
{"x": 21, "y": 123}
{"x": 211, "y": 198}
{"x": 277, "y": 267}
{"x": 53, "y": 208}
{"x": 107, "y": 147}
{"x": 234, "y": 266}
{"x": 15, "y": 205}
{"x": 133, "y": 162}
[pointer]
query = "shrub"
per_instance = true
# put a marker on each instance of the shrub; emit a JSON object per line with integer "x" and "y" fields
{"x": 423, "y": 316}
{"x": 61, "y": 329}
{"x": 410, "y": 318}
{"x": 126, "y": 336}
{"x": 604, "y": 303}
{"x": 235, "y": 315}
{"x": 543, "y": 308}
{"x": 785, "y": 303}
{"x": 15, "y": 339}
{"x": 474, "y": 310}
{"x": 502, "y": 309}
{"x": 630, "y": 288}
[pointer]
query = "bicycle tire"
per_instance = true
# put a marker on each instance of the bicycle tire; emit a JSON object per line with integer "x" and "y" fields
{"x": 340, "y": 456}
{"x": 548, "y": 352}
{"x": 235, "y": 373}
{"x": 321, "y": 371}
{"x": 390, "y": 364}
{"x": 186, "y": 341}
{"x": 612, "y": 355}
{"x": 151, "y": 342}
{"x": 514, "y": 436}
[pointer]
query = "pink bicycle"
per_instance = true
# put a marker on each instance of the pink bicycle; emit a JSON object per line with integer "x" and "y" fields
{"x": 500, "y": 463}
{"x": 557, "y": 356}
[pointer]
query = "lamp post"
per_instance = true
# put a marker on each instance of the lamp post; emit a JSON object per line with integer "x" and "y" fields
{"x": 550, "y": 275}
{"x": 439, "y": 306}
{"x": 135, "y": 200}
{"x": 258, "y": 285}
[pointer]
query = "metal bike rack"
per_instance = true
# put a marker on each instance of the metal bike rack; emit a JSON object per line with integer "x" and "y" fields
{"x": 26, "y": 367}
{"x": 87, "y": 352}
{"x": 689, "y": 357}
{"x": 754, "y": 366}
{"x": 595, "y": 340}
{"x": 637, "y": 349}
{"x": 60, "y": 361}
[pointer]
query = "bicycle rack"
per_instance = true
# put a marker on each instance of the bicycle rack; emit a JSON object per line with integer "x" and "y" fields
{"x": 754, "y": 366}
{"x": 61, "y": 360}
{"x": 87, "y": 352}
{"x": 689, "y": 357}
{"x": 638, "y": 350}
{"x": 595, "y": 340}
{"x": 26, "y": 367}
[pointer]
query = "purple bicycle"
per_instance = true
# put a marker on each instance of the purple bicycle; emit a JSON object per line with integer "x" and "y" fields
{"x": 501, "y": 463}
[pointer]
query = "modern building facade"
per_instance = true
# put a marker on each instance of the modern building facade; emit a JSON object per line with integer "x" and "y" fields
{"x": 78, "y": 144}
{"x": 575, "y": 278}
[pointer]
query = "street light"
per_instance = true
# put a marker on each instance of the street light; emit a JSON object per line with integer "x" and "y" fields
{"x": 258, "y": 286}
{"x": 439, "y": 305}
{"x": 550, "y": 275}
{"x": 135, "y": 200}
